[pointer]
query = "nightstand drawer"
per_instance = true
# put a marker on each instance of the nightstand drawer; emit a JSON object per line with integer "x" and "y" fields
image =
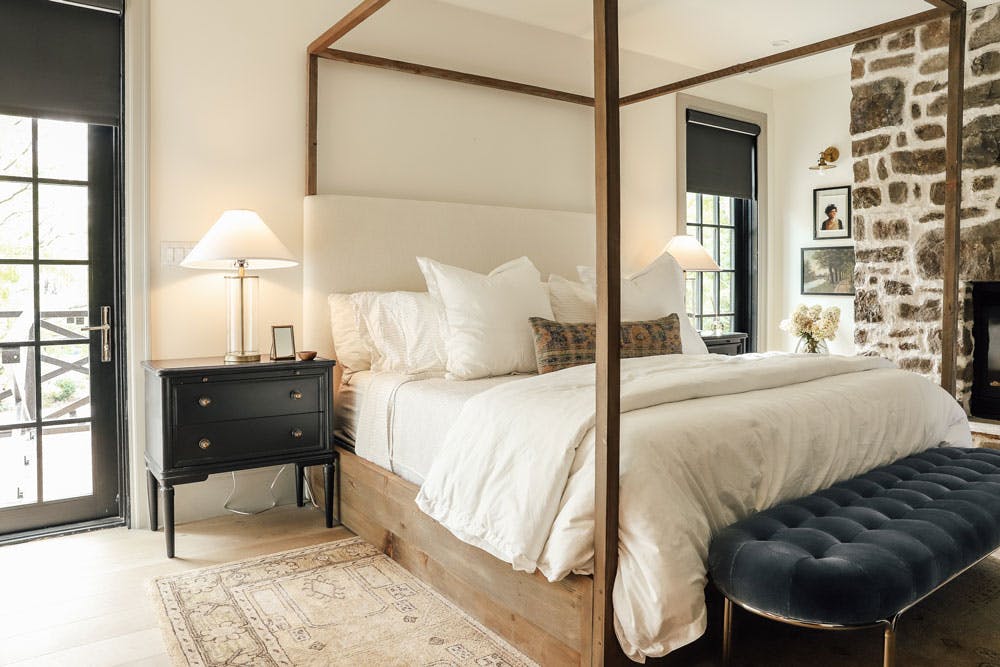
{"x": 247, "y": 438}
{"x": 238, "y": 399}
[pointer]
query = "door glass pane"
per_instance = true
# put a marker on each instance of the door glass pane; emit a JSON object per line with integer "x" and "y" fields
{"x": 65, "y": 381}
{"x": 708, "y": 293}
{"x": 62, "y": 150}
{"x": 62, "y": 221}
{"x": 17, "y": 385}
{"x": 67, "y": 462}
{"x": 692, "y": 207}
{"x": 17, "y": 302}
{"x": 15, "y": 146}
{"x": 18, "y": 466}
{"x": 708, "y": 210}
{"x": 726, "y": 211}
{"x": 15, "y": 220}
{"x": 725, "y": 292}
{"x": 708, "y": 235}
{"x": 726, "y": 242}
{"x": 63, "y": 294}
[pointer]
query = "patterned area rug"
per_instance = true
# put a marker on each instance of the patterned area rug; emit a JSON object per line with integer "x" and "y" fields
{"x": 341, "y": 603}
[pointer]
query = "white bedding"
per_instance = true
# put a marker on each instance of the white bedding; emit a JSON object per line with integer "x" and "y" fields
{"x": 402, "y": 420}
{"x": 515, "y": 473}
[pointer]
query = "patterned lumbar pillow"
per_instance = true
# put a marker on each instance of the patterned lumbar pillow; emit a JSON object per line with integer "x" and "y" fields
{"x": 561, "y": 345}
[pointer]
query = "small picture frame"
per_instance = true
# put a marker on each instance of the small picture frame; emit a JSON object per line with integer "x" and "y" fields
{"x": 282, "y": 342}
{"x": 832, "y": 213}
{"x": 828, "y": 270}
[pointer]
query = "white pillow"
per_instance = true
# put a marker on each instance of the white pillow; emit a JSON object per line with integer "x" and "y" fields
{"x": 349, "y": 348}
{"x": 571, "y": 301}
{"x": 488, "y": 331}
{"x": 654, "y": 292}
{"x": 404, "y": 331}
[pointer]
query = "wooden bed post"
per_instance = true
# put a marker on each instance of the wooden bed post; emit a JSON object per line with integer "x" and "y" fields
{"x": 604, "y": 645}
{"x": 953, "y": 198}
{"x": 312, "y": 95}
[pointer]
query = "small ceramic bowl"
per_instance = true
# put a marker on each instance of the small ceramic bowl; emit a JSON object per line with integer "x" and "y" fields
{"x": 307, "y": 355}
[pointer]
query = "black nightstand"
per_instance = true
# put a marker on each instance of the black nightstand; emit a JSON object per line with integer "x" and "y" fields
{"x": 204, "y": 416}
{"x": 732, "y": 343}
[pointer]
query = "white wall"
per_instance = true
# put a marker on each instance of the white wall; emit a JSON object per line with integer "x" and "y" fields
{"x": 808, "y": 117}
{"x": 228, "y": 130}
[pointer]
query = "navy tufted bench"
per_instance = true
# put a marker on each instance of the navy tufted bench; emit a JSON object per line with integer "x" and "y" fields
{"x": 864, "y": 551}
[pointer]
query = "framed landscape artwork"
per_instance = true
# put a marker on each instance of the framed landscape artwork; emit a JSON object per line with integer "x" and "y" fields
{"x": 832, "y": 213}
{"x": 828, "y": 270}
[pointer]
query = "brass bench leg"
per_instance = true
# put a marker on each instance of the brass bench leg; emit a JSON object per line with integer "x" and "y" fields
{"x": 727, "y": 633}
{"x": 889, "y": 649}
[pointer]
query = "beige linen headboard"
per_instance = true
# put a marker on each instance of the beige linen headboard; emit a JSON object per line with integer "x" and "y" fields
{"x": 369, "y": 243}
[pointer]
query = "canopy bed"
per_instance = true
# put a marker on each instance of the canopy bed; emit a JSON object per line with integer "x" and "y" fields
{"x": 570, "y": 620}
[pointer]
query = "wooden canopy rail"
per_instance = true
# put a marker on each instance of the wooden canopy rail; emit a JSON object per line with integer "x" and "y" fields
{"x": 602, "y": 647}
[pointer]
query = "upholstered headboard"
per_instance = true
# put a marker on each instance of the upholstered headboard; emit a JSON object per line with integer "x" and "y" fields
{"x": 367, "y": 243}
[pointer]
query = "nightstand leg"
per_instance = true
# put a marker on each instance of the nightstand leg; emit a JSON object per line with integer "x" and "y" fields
{"x": 152, "y": 491}
{"x": 300, "y": 471}
{"x": 328, "y": 473}
{"x": 168, "y": 517}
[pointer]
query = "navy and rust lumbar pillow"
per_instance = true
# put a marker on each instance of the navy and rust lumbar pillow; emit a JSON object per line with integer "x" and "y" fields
{"x": 561, "y": 345}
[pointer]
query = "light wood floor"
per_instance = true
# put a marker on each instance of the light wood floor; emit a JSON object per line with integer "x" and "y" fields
{"x": 82, "y": 600}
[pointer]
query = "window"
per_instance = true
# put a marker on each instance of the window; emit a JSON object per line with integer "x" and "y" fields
{"x": 721, "y": 213}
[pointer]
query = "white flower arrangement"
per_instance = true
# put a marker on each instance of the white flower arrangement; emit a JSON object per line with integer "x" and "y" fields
{"x": 813, "y": 324}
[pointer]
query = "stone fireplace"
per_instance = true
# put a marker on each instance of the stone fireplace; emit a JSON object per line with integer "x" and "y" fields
{"x": 898, "y": 109}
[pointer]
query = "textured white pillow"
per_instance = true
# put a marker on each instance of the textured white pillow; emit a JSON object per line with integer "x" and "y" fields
{"x": 654, "y": 292}
{"x": 403, "y": 330}
{"x": 571, "y": 301}
{"x": 488, "y": 331}
{"x": 350, "y": 350}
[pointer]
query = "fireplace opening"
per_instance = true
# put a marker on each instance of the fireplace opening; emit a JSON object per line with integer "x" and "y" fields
{"x": 985, "y": 401}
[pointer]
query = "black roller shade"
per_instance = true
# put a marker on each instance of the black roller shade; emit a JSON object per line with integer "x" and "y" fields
{"x": 721, "y": 156}
{"x": 60, "y": 61}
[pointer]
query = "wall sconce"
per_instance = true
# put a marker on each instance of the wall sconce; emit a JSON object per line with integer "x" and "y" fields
{"x": 830, "y": 155}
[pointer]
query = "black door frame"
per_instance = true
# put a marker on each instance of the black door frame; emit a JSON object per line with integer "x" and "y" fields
{"x": 108, "y": 391}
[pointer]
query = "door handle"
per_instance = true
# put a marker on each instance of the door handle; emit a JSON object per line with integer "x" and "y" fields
{"x": 105, "y": 329}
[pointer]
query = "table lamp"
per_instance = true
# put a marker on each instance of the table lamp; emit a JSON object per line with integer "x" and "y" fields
{"x": 239, "y": 239}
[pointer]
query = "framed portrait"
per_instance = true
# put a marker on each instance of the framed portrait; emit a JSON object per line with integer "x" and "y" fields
{"x": 832, "y": 213}
{"x": 828, "y": 270}
{"x": 282, "y": 342}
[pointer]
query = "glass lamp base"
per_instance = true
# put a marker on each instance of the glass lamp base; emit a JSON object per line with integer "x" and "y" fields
{"x": 241, "y": 319}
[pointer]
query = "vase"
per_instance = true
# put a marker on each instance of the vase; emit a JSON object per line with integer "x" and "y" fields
{"x": 809, "y": 346}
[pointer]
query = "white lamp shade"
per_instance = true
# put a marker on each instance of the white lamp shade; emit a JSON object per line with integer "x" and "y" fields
{"x": 690, "y": 254}
{"x": 239, "y": 235}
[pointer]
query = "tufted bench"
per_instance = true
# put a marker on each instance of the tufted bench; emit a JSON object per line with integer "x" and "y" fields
{"x": 864, "y": 551}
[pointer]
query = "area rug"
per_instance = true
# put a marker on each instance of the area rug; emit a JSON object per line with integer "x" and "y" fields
{"x": 340, "y": 603}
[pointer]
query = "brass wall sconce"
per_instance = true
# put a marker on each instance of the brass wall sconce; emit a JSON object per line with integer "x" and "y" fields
{"x": 826, "y": 159}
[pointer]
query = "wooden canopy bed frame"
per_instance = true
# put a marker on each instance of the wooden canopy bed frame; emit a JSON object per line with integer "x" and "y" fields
{"x": 572, "y": 621}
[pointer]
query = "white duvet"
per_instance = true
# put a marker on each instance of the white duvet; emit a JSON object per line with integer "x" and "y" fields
{"x": 705, "y": 440}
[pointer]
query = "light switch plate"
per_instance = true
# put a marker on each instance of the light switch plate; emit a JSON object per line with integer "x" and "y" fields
{"x": 172, "y": 253}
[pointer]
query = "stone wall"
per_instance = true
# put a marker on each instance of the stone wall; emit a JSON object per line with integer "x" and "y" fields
{"x": 898, "y": 112}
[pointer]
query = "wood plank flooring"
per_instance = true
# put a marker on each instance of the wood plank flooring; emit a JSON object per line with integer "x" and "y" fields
{"x": 82, "y": 600}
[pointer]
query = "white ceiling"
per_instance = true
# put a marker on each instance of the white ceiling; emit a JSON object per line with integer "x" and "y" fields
{"x": 710, "y": 34}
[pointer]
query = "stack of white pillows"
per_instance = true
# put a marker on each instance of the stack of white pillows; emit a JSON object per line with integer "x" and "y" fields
{"x": 469, "y": 325}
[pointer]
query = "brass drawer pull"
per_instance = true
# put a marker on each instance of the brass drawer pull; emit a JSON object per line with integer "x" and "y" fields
{"x": 204, "y": 443}
{"x": 204, "y": 401}
{"x": 296, "y": 433}
{"x": 995, "y": 383}
{"x": 295, "y": 394}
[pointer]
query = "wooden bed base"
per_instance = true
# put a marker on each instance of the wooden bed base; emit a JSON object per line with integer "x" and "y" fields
{"x": 548, "y": 622}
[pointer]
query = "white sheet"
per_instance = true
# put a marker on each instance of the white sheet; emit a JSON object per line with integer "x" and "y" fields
{"x": 347, "y": 404}
{"x": 515, "y": 474}
{"x": 402, "y": 420}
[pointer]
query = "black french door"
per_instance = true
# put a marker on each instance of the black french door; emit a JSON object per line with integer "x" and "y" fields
{"x": 61, "y": 361}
